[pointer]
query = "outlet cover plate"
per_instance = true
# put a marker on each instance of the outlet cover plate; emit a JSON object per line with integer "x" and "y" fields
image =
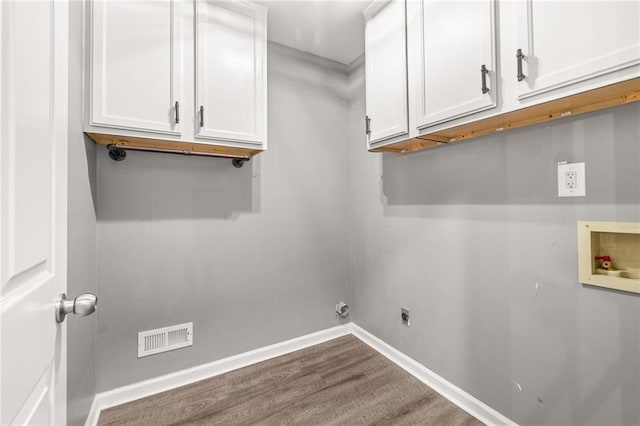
{"x": 571, "y": 180}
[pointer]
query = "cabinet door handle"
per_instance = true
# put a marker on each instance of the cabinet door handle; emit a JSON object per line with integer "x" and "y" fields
{"x": 484, "y": 71}
{"x": 177, "y": 112}
{"x": 201, "y": 116}
{"x": 520, "y": 57}
{"x": 367, "y": 123}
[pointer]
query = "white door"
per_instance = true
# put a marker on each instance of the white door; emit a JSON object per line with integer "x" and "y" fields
{"x": 231, "y": 71}
{"x": 33, "y": 207}
{"x": 458, "y": 75}
{"x": 566, "y": 42}
{"x": 386, "y": 73}
{"x": 135, "y": 65}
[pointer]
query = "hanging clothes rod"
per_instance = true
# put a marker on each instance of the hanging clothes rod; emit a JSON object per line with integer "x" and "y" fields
{"x": 119, "y": 152}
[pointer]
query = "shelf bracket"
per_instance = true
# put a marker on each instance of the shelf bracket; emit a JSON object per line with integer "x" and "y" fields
{"x": 239, "y": 162}
{"x": 116, "y": 153}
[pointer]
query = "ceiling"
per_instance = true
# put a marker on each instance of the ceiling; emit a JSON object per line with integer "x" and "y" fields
{"x": 332, "y": 29}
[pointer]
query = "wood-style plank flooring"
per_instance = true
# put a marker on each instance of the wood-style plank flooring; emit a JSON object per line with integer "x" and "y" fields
{"x": 339, "y": 382}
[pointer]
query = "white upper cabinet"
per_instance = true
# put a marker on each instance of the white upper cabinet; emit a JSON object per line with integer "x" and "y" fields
{"x": 457, "y": 64}
{"x": 568, "y": 42}
{"x": 182, "y": 71}
{"x": 386, "y": 71}
{"x": 231, "y": 78}
{"x": 135, "y": 65}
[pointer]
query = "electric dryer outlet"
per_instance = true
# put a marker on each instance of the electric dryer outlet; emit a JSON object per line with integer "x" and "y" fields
{"x": 404, "y": 317}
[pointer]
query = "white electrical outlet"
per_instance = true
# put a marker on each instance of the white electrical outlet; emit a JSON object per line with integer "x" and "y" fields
{"x": 571, "y": 180}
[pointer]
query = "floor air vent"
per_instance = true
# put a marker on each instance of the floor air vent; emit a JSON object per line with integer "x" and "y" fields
{"x": 164, "y": 339}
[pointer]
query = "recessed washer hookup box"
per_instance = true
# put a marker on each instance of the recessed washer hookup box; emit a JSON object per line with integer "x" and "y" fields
{"x": 609, "y": 255}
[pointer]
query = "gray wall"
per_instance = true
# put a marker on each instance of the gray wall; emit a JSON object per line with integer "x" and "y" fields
{"x": 81, "y": 332}
{"x": 474, "y": 241}
{"x": 252, "y": 256}
{"x": 471, "y": 238}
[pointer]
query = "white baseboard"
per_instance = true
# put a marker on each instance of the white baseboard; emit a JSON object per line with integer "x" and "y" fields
{"x": 184, "y": 377}
{"x": 94, "y": 412}
{"x": 166, "y": 382}
{"x": 462, "y": 399}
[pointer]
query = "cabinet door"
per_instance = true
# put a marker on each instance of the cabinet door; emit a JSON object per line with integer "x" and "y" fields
{"x": 135, "y": 65}
{"x": 231, "y": 73}
{"x": 568, "y": 42}
{"x": 458, "y": 75}
{"x": 386, "y": 72}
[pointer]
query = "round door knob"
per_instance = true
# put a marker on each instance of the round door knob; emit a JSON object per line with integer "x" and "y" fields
{"x": 83, "y": 305}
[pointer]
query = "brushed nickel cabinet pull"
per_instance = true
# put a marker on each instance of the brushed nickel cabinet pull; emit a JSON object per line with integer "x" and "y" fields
{"x": 520, "y": 57}
{"x": 484, "y": 71}
{"x": 201, "y": 116}
{"x": 177, "y": 112}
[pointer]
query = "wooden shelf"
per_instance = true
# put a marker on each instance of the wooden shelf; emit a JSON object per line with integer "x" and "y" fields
{"x": 409, "y": 145}
{"x": 186, "y": 147}
{"x": 592, "y": 100}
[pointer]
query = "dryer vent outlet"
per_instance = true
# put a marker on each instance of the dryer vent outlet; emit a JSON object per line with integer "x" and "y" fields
{"x": 342, "y": 310}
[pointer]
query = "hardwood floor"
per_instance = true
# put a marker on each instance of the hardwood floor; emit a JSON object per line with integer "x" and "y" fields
{"x": 339, "y": 382}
